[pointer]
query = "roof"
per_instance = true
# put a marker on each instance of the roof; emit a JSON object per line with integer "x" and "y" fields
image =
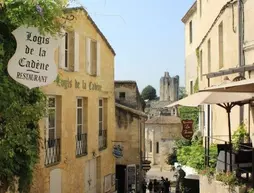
{"x": 164, "y": 120}
{"x": 137, "y": 112}
{"x": 125, "y": 82}
{"x": 156, "y": 104}
{"x": 94, "y": 24}
{"x": 190, "y": 12}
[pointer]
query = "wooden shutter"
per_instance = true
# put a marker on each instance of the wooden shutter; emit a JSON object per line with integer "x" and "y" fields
{"x": 88, "y": 55}
{"x": 61, "y": 51}
{"x": 98, "y": 60}
{"x": 76, "y": 52}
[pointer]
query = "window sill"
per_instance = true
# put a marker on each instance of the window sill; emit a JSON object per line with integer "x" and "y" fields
{"x": 102, "y": 148}
{"x": 81, "y": 155}
{"x": 52, "y": 164}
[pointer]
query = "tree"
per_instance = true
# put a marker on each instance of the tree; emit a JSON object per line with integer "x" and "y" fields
{"x": 182, "y": 93}
{"x": 149, "y": 93}
{"x": 20, "y": 107}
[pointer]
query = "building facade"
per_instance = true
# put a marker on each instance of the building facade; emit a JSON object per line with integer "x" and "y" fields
{"x": 212, "y": 32}
{"x": 160, "y": 134}
{"x": 130, "y": 134}
{"x": 77, "y": 133}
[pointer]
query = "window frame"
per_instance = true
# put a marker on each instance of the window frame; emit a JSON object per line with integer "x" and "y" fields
{"x": 91, "y": 58}
{"x": 66, "y": 50}
{"x": 157, "y": 147}
{"x": 120, "y": 97}
{"x": 55, "y": 117}
{"x": 190, "y": 32}
{"x": 82, "y": 117}
{"x": 101, "y": 122}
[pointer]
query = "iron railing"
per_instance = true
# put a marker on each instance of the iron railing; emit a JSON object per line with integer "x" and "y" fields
{"x": 52, "y": 151}
{"x": 81, "y": 145}
{"x": 102, "y": 139}
{"x": 240, "y": 160}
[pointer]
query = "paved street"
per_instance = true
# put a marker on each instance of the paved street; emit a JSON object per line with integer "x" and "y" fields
{"x": 156, "y": 173}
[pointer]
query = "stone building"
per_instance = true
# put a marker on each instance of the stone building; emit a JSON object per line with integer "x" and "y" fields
{"x": 76, "y": 147}
{"x": 169, "y": 92}
{"x": 130, "y": 131}
{"x": 160, "y": 134}
{"x": 169, "y": 88}
{"x": 212, "y": 40}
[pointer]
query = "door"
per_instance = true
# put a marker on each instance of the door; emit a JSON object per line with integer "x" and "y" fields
{"x": 90, "y": 176}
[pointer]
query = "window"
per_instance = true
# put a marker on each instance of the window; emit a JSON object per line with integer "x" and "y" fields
{"x": 157, "y": 147}
{"x": 200, "y": 7}
{"x": 100, "y": 116}
{"x": 80, "y": 117}
{"x": 190, "y": 32}
{"x": 93, "y": 49}
{"x": 191, "y": 87}
{"x": 66, "y": 54}
{"x": 151, "y": 146}
{"x": 51, "y": 133}
{"x": 221, "y": 48}
{"x": 209, "y": 55}
{"x": 122, "y": 95}
{"x": 201, "y": 64}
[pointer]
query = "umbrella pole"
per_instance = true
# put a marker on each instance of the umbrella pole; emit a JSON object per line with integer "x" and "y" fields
{"x": 230, "y": 140}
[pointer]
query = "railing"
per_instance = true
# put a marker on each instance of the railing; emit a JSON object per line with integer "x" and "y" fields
{"x": 52, "y": 151}
{"x": 240, "y": 160}
{"x": 81, "y": 145}
{"x": 102, "y": 139}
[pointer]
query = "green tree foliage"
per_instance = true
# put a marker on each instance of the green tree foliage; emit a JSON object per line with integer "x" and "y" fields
{"x": 148, "y": 93}
{"x": 194, "y": 155}
{"x": 21, "y": 108}
{"x": 190, "y": 113}
{"x": 182, "y": 93}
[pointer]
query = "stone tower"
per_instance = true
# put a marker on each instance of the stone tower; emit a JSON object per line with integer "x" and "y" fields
{"x": 169, "y": 88}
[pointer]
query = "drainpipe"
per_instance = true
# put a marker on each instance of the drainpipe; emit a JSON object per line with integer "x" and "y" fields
{"x": 240, "y": 48}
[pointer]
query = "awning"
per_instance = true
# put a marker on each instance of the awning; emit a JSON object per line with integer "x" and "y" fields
{"x": 202, "y": 98}
{"x": 239, "y": 86}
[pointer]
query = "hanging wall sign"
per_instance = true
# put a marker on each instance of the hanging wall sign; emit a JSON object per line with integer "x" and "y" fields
{"x": 33, "y": 63}
{"x": 118, "y": 151}
{"x": 187, "y": 131}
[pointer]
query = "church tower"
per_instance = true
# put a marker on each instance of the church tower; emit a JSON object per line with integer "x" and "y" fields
{"x": 169, "y": 88}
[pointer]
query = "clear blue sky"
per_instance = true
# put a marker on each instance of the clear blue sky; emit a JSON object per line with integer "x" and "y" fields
{"x": 147, "y": 35}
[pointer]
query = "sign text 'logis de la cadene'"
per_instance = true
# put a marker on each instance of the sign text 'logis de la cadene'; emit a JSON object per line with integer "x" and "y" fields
{"x": 33, "y": 63}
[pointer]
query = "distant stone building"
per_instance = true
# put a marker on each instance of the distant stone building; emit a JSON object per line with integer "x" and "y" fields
{"x": 169, "y": 92}
{"x": 160, "y": 134}
{"x": 169, "y": 88}
{"x": 130, "y": 131}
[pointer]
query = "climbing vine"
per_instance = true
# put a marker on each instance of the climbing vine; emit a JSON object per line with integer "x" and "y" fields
{"x": 21, "y": 108}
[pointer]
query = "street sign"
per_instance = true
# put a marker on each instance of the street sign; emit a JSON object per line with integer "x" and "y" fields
{"x": 146, "y": 165}
{"x": 33, "y": 63}
{"x": 187, "y": 131}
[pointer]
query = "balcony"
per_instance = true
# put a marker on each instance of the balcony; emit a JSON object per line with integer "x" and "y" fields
{"x": 102, "y": 139}
{"x": 81, "y": 145}
{"x": 52, "y": 151}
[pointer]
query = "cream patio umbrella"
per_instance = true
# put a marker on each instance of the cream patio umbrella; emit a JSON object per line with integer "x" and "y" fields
{"x": 226, "y": 100}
